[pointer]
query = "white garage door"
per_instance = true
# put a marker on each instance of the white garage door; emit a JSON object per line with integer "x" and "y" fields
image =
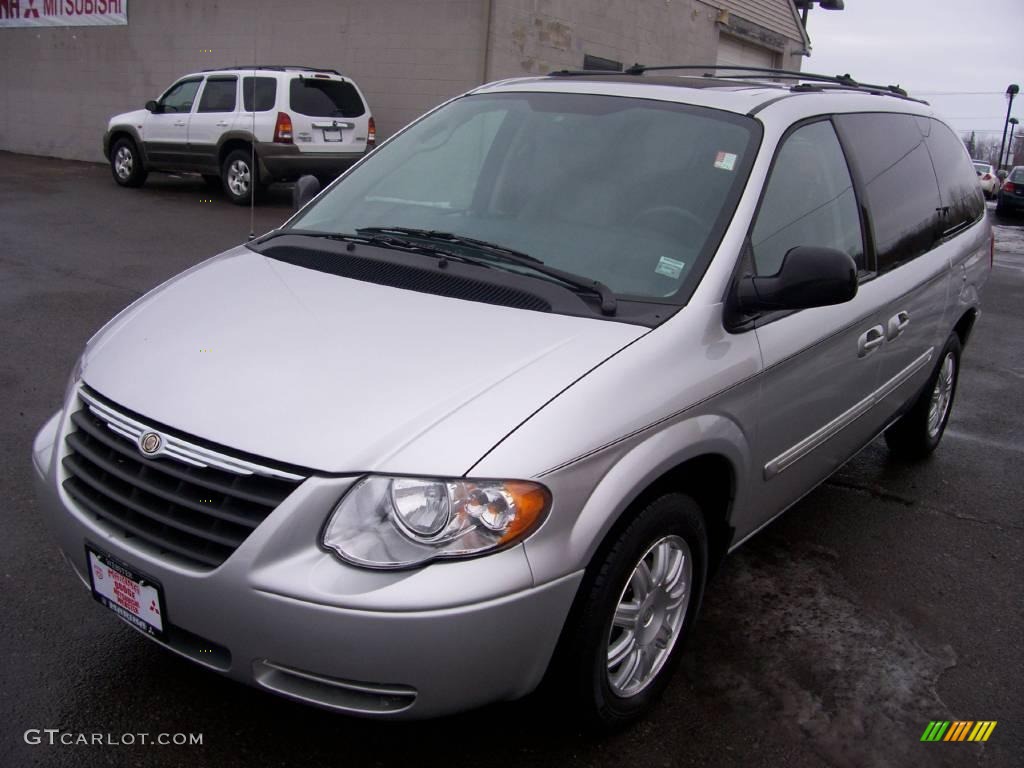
{"x": 740, "y": 54}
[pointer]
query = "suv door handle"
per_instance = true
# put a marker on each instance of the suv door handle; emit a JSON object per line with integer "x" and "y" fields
{"x": 870, "y": 340}
{"x": 223, "y": 124}
{"x": 180, "y": 124}
{"x": 897, "y": 324}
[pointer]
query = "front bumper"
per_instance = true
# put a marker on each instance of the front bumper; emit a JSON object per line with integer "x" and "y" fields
{"x": 284, "y": 615}
{"x": 285, "y": 162}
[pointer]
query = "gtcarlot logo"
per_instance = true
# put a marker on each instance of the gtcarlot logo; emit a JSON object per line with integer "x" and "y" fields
{"x": 57, "y": 737}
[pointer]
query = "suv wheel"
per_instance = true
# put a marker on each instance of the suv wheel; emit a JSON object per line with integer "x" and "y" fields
{"x": 627, "y": 627}
{"x": 238, "y": 176}
{"x": 125, "y": 163}
{"x": 920, "y": 429}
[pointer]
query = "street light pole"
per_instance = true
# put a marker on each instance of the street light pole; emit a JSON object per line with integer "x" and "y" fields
{"x": 1009, "y": 145}
{"x": 1011, "y": 91}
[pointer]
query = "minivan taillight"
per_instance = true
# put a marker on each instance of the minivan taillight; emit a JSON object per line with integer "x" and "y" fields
{"x": 283, "y": 129}
{"x": 986, "y": 177}
{"x": 371, "y": 134}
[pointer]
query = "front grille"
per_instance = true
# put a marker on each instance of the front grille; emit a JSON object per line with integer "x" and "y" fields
{"x": 185, "y": 508}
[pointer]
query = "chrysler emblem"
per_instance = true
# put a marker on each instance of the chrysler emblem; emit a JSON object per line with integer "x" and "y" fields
{"x": 150, "y": 443}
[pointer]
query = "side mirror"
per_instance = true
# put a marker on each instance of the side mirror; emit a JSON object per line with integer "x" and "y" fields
{"x": 152, "y": 106}
{"x": 808, "y": 277}
{"x": 306, "y": 188}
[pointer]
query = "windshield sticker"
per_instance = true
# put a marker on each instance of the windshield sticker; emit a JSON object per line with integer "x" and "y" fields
{"x": 669, "y": 267}
{"x": 725, "y": 160}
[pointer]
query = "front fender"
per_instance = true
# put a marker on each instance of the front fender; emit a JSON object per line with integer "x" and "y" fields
{"x": 131, "y": 131}
{"x": 604, "y": 485}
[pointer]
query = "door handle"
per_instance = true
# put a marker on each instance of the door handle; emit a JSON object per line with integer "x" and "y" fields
{"x": 870, "y": 340}
{"x": 222, "y": 124}
{"x": 897, "y": 324}
{"x": 180, "y": 124}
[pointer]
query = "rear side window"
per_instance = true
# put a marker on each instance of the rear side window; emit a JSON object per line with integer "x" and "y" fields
{"x": 899, "y": 182}
{"x": 962, "y": 200}
{"x": 809, "y": 201}
{"x": 263, "y": 89}
{"x": 325, "y": 98}
{"x": 219, "y": 95}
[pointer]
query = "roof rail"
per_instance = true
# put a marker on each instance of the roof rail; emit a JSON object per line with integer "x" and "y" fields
{"x": 275, "y": 68}
{"x": 843, "y": 81}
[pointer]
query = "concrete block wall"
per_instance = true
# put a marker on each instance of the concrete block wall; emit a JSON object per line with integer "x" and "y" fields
{"x": 538, "y": 36}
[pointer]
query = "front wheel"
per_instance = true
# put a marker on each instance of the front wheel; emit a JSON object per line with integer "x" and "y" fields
{"x": 239, "y": 176}
{"x": 633, "y": 611}
{"x": 919, "y": 431}
{"x": 125, "y": 163}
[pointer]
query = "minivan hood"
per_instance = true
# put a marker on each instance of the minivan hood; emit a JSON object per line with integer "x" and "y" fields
{"x": 335, "y": 374}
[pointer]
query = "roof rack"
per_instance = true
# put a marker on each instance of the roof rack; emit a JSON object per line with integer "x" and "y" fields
{"x": 812, "y": 78}
{"x": 275, "y": 68}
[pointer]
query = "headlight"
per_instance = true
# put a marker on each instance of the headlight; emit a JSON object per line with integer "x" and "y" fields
{"x": 399, "y": 522}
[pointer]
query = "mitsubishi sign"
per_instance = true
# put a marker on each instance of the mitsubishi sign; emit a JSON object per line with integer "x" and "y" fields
{"x": 63, "y": 13}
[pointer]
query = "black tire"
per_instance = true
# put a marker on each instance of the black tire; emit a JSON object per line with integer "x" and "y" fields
{"x": 916, "y": 434}
{"x": 239, "y": 177}
{"x": 212, "y": 181}
{"x": 582, "y": 672}
{"x": 126, "y": 163}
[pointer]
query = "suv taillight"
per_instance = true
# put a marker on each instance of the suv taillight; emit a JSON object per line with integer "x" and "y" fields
{"x": 283, "y": 129}
{"x": 371, "y": 134}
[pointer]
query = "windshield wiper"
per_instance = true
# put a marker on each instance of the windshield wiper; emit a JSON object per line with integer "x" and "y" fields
{"x": 509, "y": 256}
{"x": 381, "y": 240}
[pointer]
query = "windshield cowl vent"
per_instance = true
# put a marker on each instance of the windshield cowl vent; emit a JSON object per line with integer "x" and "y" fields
{"x": 433, "y": 280}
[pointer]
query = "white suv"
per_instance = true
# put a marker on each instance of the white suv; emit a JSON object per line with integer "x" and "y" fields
{"x": 305, "y": 121}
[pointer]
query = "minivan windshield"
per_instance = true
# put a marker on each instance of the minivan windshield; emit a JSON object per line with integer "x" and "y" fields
{"x": 631, "y": 192}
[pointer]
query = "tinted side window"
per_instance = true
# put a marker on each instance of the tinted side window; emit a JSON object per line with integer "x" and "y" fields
{"x": 325, "y": 98}
{"x": 902, "y": 195}
{"x": 265, "y": 89}
{"x": 180, "y": 96}
{"x": 962, "y": 198}
{"x": 809, "y": 200}
{"x": 218, "y": 95}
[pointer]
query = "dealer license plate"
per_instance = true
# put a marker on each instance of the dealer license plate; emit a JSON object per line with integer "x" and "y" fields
{"x": 135, "y": 598}
{"x": 332, "y": 134}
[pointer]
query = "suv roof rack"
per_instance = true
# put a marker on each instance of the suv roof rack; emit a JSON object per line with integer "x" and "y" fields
{"x": 814, "y": 80}
{"x": 275, "y": 68}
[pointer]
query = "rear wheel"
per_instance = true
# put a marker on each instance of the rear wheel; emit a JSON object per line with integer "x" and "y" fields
{"x": 239, "y": 176}
{"x": 626, "y": 630}
{"x": 125, "y": 163}
{"x": 919, "y": 430}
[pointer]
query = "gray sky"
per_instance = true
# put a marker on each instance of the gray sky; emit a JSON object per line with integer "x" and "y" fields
{"x": 932, "y": 48}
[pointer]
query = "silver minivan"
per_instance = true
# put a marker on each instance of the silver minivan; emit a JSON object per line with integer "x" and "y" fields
{"x": 493, "y": 407}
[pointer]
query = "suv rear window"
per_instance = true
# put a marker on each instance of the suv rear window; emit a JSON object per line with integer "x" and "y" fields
{"x": 325, "y": 98}
{"x": 1016, "y": 175}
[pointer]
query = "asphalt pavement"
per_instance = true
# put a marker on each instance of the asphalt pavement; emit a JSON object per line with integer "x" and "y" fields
{"x": 889, "y": 597}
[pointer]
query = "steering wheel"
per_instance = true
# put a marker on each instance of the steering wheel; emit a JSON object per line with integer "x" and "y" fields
{"x": 669, "y": 220}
